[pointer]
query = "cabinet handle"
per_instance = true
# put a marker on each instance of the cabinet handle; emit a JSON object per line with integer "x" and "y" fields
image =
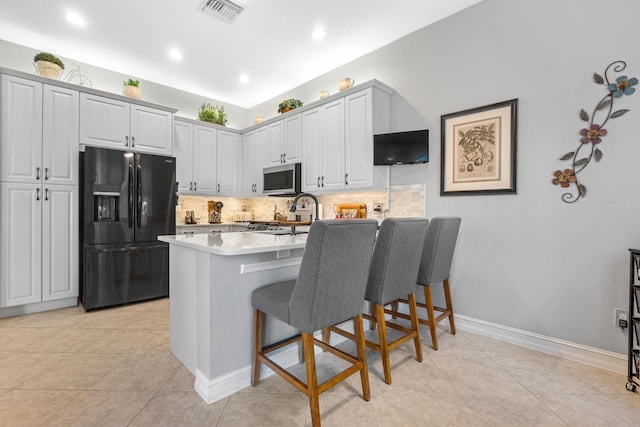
{"x": 323, "y": 181}
{"x": 346, "y": 176}
{"x": 133, "y": 141}
{"x": 284, "y": 158}
{"x": 218, "y": 188}
{"x": 37, "y": 194}
{"x": 195, "y": 186}
{"x": 126, "y": 141}
{"x": 37, "y": 173}
{"x": 190, "y": 185}
{"x": 189, "y": 232}
{"x": 318, "y": 181}
{"x": 46, "y": 174}
{"x": 46, "y": 194}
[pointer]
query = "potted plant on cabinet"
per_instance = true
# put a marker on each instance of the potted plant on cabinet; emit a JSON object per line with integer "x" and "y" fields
{"x": 212, "y": 114}
{"x": 288, "y": 105}
{"x": 131, "y": 88}
{"x": 48, "y": 65}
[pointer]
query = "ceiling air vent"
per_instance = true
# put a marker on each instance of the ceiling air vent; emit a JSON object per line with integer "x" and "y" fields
{"x": 224, "y": 9}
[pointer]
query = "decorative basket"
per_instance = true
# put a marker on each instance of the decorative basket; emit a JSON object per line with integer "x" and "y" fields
{"x": 131, "y": 91}
{"x": 47, "y": 69}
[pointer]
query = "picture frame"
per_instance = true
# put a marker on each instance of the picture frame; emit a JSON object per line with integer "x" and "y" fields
{"x": 478, "y": 150}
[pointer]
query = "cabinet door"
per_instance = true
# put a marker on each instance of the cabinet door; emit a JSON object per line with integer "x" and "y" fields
{"x": 60, "y": 118}
{"x": 311, "y": 136}
{"x": 20, "y": 129}
{"x": 254, "y": 159}
{"x": 359, "y": 140}
{"x": 20, "y": 244}
{"x": 104, "y": 122}
{"x": 227, "y": 163}
{"x": 150, "y": 130}
{"x": 183, "y": 151}
{"x": 204, "y": 160}
{"x": 332, "y": 146}
{"x": 59, "y": 242}
{"x": 275, "y": 143}
{"x": 292, "y": 139}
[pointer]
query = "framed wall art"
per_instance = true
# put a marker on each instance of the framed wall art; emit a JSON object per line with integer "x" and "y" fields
{"x": 478, "y": 150}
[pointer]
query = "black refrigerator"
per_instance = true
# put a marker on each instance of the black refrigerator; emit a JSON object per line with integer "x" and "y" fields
{"x": 128, "y": 200}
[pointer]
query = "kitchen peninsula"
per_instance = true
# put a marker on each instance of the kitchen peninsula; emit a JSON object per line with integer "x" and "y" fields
{"x": 211, "y": 277}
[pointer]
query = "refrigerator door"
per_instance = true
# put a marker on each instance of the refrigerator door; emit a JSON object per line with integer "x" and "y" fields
{"x": 155, "y": 203}
{"x": 118, "y": 274}
{"x": 107, "y": 196}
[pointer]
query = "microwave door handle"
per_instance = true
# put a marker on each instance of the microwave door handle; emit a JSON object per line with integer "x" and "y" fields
{"x": 139, "y": 195}
{"x": 130, "y": 207}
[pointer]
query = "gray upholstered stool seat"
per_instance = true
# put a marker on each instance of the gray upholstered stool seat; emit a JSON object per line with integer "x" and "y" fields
{"x": 392, "y": 276}
{"x": 329, "y": 289}
{"x": 435, "y": 266}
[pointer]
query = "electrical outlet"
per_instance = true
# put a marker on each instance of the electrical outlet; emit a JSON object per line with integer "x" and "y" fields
{"x": 621, "y": 319}
{"x": 378, "y": 207}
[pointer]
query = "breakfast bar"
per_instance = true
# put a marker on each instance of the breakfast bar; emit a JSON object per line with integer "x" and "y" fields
{"x": 211, "y": 277}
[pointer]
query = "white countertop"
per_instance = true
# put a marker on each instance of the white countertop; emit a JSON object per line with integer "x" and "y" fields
{"x": 239, "y": 243}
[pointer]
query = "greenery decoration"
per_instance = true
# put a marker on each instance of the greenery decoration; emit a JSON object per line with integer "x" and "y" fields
{"x": 592, "y": 135}
{"x": 131, "y": 82}
{"x": 48, "y": 57}
{"x": 289, "y": 104}
{"x": 213, "y": 114}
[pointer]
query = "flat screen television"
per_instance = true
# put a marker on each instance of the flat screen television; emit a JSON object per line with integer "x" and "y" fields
{"x": 401, "y": 148}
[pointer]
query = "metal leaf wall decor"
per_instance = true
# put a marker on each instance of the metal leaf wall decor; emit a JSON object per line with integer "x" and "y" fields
{"x": 594, "y": 132}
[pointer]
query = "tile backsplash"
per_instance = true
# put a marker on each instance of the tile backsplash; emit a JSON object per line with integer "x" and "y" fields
{"x": 398, "y": 201}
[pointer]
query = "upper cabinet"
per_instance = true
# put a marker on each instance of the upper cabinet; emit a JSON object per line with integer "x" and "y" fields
{"x": 38, "y": 132}
{"x": 254, "y": 159}
{"x": 284, "y": 140}
{"x": 111, "y": 123}
{"x": 207, "y": 159}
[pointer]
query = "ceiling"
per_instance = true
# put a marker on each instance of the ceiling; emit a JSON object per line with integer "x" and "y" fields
{"x": 270, "y": 41}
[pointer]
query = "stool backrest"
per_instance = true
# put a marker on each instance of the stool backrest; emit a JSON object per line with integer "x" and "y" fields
{"x": 333, "y": 274}
{"x": 439, "y": 246}
{"x": 396, "y": 259}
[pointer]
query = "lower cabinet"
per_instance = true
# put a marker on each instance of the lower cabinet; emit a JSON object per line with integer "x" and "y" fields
{"x": 38, "y": 243}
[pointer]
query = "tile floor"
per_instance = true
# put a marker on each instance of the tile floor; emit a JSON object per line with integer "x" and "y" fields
{"x": 113, "y": 368}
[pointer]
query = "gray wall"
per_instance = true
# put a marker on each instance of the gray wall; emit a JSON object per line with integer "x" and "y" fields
{"x": 528, "y": 261}
{"x": 20, "y": 58}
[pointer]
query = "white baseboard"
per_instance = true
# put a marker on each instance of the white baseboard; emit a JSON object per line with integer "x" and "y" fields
{"x": 37, "y": 307}
{"x": 580, "y": 353}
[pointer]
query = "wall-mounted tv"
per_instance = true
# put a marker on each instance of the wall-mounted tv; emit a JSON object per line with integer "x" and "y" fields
{"x": 401, "y": 148}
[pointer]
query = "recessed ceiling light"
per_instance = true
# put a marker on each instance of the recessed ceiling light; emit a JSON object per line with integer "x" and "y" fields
{"x": 175, "y": 54}
{"x": 318, "y": 33}
{"x": 243, "y": 78}
{"x": 76, "y": 19}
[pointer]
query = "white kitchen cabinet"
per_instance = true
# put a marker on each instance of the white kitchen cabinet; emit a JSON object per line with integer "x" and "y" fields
{"x": 207, "y": 159}
{"x": 254, "y": 159}
{"x": 39, "y": 243}
{"x": 323, "y": 148}
{"x": 120, "y": 125}
{"x": 39, "y": 132}
{"x": 284, "y": 140}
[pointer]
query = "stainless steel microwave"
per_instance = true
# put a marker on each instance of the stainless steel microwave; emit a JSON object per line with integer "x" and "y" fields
{"x": 281, "y": 180}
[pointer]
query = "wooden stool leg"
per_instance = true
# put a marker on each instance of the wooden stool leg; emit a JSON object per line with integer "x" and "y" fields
{"x": 312, "y": 380}
{"x": 372, "y": 313}
{"x": 382, "y": 338}
{"x": 432, "y": 324}
{"x": 394, "y": 308}
{"x": 362, "y": 356}
{"x": 447, "y": 297}
{"x": 415, "y": 326}
{"x": 257, "y": 346}
{"x": 326, "y": 337}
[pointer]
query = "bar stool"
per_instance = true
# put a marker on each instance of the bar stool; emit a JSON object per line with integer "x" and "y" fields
{"x": 392, "y": 275}
{"x": 329, "y": 289}
{"x": 435, "y": 266}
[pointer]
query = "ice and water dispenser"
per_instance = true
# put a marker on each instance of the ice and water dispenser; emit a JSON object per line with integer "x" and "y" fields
{"x": 106, "y": 206}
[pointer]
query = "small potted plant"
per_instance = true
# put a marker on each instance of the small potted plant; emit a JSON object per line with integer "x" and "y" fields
{"x": 288, "y": 105}
{"x": 212, "y": 114}
{"x": 48, "y": 65}
{"x": 131, "y": 88}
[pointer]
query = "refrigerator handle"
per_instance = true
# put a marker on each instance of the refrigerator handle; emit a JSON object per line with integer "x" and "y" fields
{"x": 130, "y": 196}
{"x": 139, "y": 194}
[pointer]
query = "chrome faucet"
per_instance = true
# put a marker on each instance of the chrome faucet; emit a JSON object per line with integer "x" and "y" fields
{"x": 295, "y": 201}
